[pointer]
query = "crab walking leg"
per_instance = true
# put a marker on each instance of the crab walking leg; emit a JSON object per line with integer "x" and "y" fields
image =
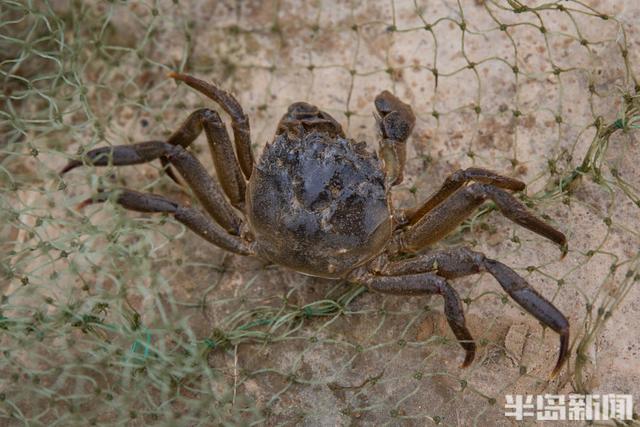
{"x": 457, "y": 180}
{"x": 239, "y": 120}
{"x": 122, "y": 155}
{"x": 224, "y": 159}
{"x": 430, "y": 284}
{"x": 203, "y": 185}
{"x": 396, "y": 121}
{"x": 192, "y": 218}
{"x": 463, "y": 262}
{"x": 446, "y": 216}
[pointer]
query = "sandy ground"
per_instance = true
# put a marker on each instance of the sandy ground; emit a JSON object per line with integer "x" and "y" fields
{"x": 384, "y": 359}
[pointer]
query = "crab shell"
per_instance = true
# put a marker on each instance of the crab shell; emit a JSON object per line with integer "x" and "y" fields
{"x": 317, "y": 203}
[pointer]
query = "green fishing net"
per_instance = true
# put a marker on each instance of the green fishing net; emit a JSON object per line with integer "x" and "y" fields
{"x": 110, "y": 317}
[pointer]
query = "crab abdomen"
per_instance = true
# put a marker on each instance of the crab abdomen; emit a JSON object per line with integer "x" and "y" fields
{"x": 317, "y": 204}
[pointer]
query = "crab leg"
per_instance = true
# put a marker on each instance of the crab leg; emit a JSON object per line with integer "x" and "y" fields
{"x": 430, "y": 284}
{"x": 457, "y": 180}
{"x": 239, "y": 120}
{"x": 205, "y": 188}
{"x": 446, "y": 216}
{"x": 224, "y": 159}
{"x": 192, "y": 218}
{"x": 396, "y": 121}
{"x": 463, "y": 262}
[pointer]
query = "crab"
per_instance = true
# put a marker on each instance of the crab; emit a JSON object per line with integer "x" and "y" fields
{"x": 319, "y": 203}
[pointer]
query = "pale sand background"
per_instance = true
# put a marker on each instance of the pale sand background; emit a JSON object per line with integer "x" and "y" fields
{"x": 383, "y": 360}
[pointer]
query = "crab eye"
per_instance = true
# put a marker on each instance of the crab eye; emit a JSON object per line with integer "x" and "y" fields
{"x": 302, "y": 110}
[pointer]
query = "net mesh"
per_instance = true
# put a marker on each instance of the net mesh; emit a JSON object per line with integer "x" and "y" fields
{"x": 111, "y": 317}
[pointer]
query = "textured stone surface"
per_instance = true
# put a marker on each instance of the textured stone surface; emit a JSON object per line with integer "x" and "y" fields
{"x": 513, "y": 92}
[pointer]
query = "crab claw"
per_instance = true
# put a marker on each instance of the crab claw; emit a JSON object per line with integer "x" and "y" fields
{"x": 395, "y": 121}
